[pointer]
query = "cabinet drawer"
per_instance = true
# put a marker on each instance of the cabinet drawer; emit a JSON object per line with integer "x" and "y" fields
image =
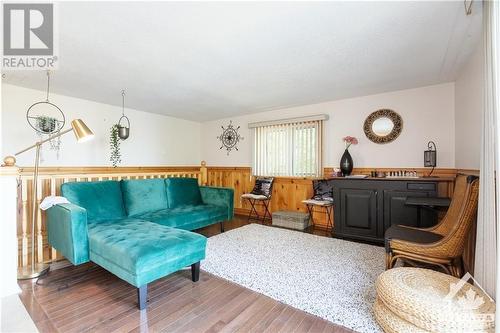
{"x": 422, "y": 186}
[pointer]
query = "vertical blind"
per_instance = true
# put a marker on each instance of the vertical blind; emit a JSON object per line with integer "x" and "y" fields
{"x": 288, "y": 149}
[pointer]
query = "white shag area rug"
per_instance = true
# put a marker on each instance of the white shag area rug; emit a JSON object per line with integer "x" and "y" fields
{"x": 330, "y": 278}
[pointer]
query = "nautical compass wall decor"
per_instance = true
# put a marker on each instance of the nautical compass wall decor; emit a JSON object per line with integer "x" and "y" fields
{"x": 230, "y": 137}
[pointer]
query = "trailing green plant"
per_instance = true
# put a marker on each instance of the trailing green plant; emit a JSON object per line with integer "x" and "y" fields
{"x": 114, "y": 145}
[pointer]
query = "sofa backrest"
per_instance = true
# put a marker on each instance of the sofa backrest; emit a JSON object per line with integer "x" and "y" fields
{"x": 102, "y": 199}
{"x": 183, "y": 191}
{"x": 111, "y": 199}
{"x": 144, "y": 195}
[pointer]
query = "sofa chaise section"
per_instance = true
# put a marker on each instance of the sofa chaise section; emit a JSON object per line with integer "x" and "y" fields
{"x": 141, "y": 252}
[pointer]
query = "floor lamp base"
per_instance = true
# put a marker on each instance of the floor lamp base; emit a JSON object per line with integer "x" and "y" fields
{"x": 31, "y": 272}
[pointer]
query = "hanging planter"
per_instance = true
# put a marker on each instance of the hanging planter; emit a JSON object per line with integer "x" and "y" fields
{"x": 46, "y": 125}
{"x": 47, "y": 119}
{"x": 124, "y": 122}
{"x": 123, "y": 131}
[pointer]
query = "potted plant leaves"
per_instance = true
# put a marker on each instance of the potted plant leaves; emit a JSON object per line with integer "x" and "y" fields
{"x": 46, "y": 124}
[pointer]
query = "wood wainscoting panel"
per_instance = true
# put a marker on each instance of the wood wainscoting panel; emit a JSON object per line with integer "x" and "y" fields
{"x": 288, "y": 192}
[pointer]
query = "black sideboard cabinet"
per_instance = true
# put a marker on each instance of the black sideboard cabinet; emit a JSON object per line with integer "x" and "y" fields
{"x": 365, "y": 208}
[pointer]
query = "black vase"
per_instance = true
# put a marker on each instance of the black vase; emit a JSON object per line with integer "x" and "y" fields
{"x": 346, "y": 163}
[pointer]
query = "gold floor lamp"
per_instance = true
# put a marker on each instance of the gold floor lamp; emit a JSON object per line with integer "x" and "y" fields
{"x": 82, "y": 133}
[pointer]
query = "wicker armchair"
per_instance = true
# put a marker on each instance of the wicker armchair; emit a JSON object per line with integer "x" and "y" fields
{"x": 443, "y": 244}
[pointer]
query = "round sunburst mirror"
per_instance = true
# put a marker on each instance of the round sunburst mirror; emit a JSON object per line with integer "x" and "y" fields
{"x": 383, "y": 126}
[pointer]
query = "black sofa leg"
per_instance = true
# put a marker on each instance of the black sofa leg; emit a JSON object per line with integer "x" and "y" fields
{"x": 195, "y": 271}
{"x": 222, "y": 226}
{"x": 142, "y": 297}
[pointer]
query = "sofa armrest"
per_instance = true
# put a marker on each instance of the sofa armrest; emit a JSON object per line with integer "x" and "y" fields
{"x": 220, "y": 196}
{"x": 67, "y": 230}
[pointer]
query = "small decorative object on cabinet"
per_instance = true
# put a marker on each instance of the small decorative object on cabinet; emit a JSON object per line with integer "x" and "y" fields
{"x": 336, "y": 172}
{"x": 123, "y": 130}
{"x": 346, "y": 163}
{"x": 430, "y": 156}
{"x": 230, "y": 137}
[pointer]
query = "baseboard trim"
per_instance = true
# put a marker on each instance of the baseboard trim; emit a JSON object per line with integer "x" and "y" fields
{"x": 241, "y": 211}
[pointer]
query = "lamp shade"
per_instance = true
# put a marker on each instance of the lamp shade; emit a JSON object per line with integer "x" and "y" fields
{"x": 82, "y": 132}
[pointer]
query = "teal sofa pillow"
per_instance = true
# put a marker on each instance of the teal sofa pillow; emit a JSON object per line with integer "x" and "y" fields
{"x": 102, "y": 199}
{"x": 144, "y": 195}
{"x": 183, "y": 191}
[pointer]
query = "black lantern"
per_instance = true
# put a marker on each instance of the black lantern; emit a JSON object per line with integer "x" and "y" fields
{"x": 430, "y": 156}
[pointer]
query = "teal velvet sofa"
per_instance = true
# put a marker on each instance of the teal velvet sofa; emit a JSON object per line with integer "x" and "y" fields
{"x": 139, "y": 230}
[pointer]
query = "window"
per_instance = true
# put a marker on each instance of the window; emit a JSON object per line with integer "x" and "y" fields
{"x": 288, "y": 148}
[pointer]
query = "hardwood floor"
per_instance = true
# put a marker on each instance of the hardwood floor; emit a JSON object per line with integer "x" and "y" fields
{"x": 87, "y": 298}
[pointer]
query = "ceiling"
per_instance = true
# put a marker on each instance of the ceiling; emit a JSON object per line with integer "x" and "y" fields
{"x": 209, "y": 60}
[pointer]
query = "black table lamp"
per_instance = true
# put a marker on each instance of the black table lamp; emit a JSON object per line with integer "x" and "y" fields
{"x": 430, "y": 156}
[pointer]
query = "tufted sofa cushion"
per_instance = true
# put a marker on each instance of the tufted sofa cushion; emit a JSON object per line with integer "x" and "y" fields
{"x": 188, "y": 217}
{"x": 144, "y": 195}
{"x": 102, "y": 199}
{"x": 140, "y": 251}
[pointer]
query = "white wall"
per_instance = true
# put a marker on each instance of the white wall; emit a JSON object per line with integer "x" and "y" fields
{"x": 469, "y": 104}
{"x": 428, "y": 114}
{"x": 154, "y": 139}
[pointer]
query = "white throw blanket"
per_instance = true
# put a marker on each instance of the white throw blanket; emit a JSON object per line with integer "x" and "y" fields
{"x": 51, "y": 201}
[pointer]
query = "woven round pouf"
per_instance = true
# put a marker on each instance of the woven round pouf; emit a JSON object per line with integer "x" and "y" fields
{"x": 390, "y": 322}
{"x": 434, "y": 301}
